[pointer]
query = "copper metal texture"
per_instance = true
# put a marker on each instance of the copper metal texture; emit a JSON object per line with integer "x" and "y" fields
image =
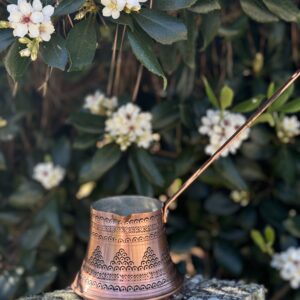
{"x": 231, "y": 140}
{"x": 128, "y": 255}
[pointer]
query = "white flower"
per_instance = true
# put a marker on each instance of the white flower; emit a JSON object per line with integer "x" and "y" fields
{"x": 48, "y": 175}
{"x": 112, "y": 8}
{"x": 288, "y": 128}
{"x": 128, "y": 125}
{"x": 288, "y": 263}
{"x": 99, "y": 104}
{"x": 45, "y": 30}
{"x": 32, "y": 19}
{"x": 219, "y": 126}
{"x": 132, "y": 5}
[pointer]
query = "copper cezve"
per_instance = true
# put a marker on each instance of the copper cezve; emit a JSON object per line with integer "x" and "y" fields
{"x": 128, "y": 255}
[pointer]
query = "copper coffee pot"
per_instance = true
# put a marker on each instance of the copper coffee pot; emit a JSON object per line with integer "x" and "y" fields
{"x": 128, "y": 255}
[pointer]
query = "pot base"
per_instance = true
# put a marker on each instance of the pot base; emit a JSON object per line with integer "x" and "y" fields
{"x": 162, "y": 297}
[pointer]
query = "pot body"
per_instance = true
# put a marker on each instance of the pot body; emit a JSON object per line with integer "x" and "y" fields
{"x": 127, "y": 258}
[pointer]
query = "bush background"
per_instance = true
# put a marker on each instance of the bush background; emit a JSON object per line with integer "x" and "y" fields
{"x": 45, "y": 233}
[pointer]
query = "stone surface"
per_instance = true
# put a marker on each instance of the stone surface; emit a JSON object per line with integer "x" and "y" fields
{"x": 195, "y": 288}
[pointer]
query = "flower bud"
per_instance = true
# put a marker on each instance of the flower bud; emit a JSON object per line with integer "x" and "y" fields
{"x": 80, "y": 15}
{"x": 25, "y": 52}
{"x": 4, "y": 25}
{"x": 258, "y": 63}
{"x": 34, "y": 51}
{"x": 24, "y": 40}
{"x": 3, "y": 122}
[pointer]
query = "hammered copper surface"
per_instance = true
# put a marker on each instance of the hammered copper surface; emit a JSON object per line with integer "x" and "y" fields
{"x": 127, "y": 258}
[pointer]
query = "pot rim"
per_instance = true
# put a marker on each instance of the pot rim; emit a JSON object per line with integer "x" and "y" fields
{"x": 126, "y": 217}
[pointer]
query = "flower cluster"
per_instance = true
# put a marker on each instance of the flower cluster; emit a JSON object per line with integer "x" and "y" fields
{"x": 219, "y": 126}
{"x": 31, "y": 22}
{"x": 288, "y": 263}
{"x": 288, "y": 128}
{"x": 113, "y": 8}
{"x": 128, "y": 125}
{"x": 99, "y": 104}
{"x": 241, "y": 197}
{"x": 48, "y": 174}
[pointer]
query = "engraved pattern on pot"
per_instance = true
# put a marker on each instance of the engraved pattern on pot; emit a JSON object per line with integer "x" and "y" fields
{"x": 135, "y": 239}
{"x": 127, "y": 258}
{"x": 122, "y": 262}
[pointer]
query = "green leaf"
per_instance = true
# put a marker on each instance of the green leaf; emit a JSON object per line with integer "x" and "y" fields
{"x": 144, "y": 53}
{"x": 6, "y": 38}
{"x": 82, "y": 44}
{"x": 291, "y": 107}
{"x": 8, "y": 132}
{"x": 185, "y": 162}
{"x": 143, "y": 187}
{"x": 61, "y": 153}
{"x": 248, "y": 105}
{"x": 10, "y": 218}
{"x": 103, "y": 160}
{"x": 124, "y": 19}
{"x": 33, "y": 236}
{"x": 257, "y": 11}
{"x": 87, "y": 122}
{"x": 227, "y": 169}
{"x": 173, "y": 4}
{"x": 148, "y": 167}
{"x": 270, "y": 235}
{"x": 271, "y": 90}
{"x": 164, "y": 115}
{"x": 50, "y": 215}
{"x": 258, "y": 240}
{"x": 54, "y": 53}
{"x": 119, "y": 174}
{"x": 282, "y": 99}
{"x": 228, "y": 257}
{"x": 40, "y": 282}
{"x": 226, "y": 97}
{"x": 235, "y": 29}
{"x": 265, "y": 118}
{"x": 292, "y": 225}
{"x": 285, "y": 165}
{"x": 66, "y": 7}
{"x": 27, "y": 195}
{"x": 209, "y": 28}
{"x": 84, "y": 141}
{"x": 2, "y": 162}
{"x": 15, "y": 65}
{"x": 220, "y": 205}
{"x": 168, "y": 57}
{"x": 183, "y": 240}
{"x": 284, "y": 9}
{"x": 161, "y": 27}
{"x": 9, "y": 284}
{"x": 189, "y": 47}
{"x": 206, "y": 6}
{"x": 210, "y": 94}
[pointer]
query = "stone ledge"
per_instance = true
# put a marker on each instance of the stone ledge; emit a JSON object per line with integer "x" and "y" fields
{"x": 195, "y": 288}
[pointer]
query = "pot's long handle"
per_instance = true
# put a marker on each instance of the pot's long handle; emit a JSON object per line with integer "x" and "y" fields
{"x": 231, "y": 140}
